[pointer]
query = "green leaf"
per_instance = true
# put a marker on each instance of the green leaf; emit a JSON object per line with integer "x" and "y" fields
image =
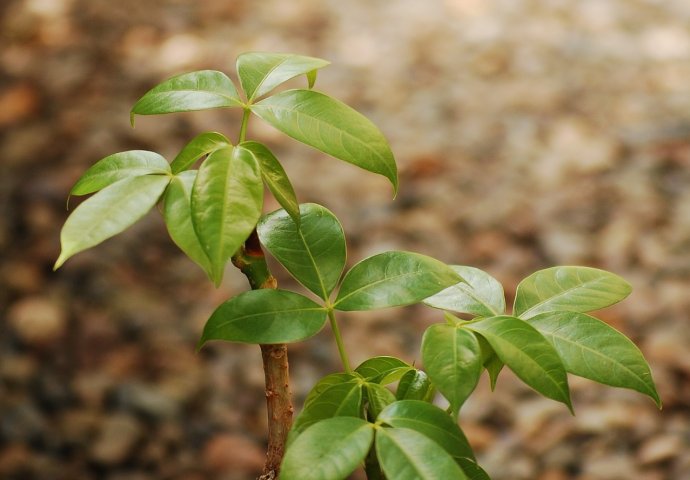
{"x": 472, "y": 470}
{"x": 378, "y": 397}
{"x": 109, "y": 212}
{"x": 478, "y": 294}
{"x": 201, "y": 145}
{"x": 189, "y": 91}
{"x": 177, "y": 212}
{"x": 326, "y": 382}
{"x": 415, "y": 385}
{"x": 405, "y": 454}
{"x": 112, "y": 168}
{"x": 261, "y": 72}
{"x": 393, "y": 279}
{"x": 333, "y": 400}
{"x": 430, "y": 421}
{"x": 527, "y": 353}
{"x": 452, "y": 358}
{"x": 314, "y": 253}
{"x": 226, "y": 204}
{"x": 383, "y": 370}
{"x": 592, "y": 349}
{"x": 311, "y": 78}
{"x": 265, "y": 316}
{"x": 330, "y": 126}
{"x": 329, "y": 450}
{"x": 575, "y": 289}
{"x": 490, "y": 361}
{"x": 274, "y": 176}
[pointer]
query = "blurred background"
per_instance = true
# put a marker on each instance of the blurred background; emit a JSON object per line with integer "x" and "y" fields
{"x": 528, "y": 133}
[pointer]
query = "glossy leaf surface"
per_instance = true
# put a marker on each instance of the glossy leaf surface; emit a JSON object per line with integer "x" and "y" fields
{"x": 575, "y": 289}
{"x": 177, "y": 212}
{"x": 274, "y": 176}
{"x": 330, "y": 126}
{"x": 265, "y": 316}
{"x": 314, "y": 253}
{"x": 453, "y": 360}
{"x": 226, "y": 204}
{"x": 383, "y": 370}
{"x": 378, "y": 398}
{"x": 406, "y": 454}
{"x": 261, "y": 72}
{"x": 415, "y": 385}
{"x": 527, "y": 353}
{"x": 591, "y": 349}
{"x": 109, "y": 212}
{"x": 393, "y": 279}
{"x": 118, "y": 166}
{"x": 329, "y": 450}
{"x": 479, "y": 294}
{"x": 201, "y": 145}
{"x": 190, "y": 91}
{"x": 335, "y": 400}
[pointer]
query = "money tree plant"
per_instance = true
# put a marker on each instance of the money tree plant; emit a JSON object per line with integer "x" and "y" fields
{"x": 384, "y": 415}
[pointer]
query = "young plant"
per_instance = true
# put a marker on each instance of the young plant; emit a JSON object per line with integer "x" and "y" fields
{"x": 214, "y": 213}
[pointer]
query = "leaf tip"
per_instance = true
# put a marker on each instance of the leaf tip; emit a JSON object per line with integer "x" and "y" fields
{"x": 131, "y": 117}
{"x": 200, "y": 344}
{"x": 60, "y": 261}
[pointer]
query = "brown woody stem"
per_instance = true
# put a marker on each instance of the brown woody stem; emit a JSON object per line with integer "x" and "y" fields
{"x": 251, "y": 261}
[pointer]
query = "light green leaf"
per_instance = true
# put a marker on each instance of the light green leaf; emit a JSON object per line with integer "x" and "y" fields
{"x": 415, "y": 385}
{"x": 226, "y": 204}
{"x": 274, "y": 176}
{"x": 261, "y": 72}
{"x": 121, "y": 165}
{"x": 329, "y": 450}
{"x": 430, "y": 421}
{"x": 383, "y": 370}
{"x": 334, "y": 400}
{"x": 490, "y": 360}
{"x": 201, "y": 145}
{"x": 109, "y": 212}
{"x": 330, "y": 126}
{"x": 478, "y": 294}
{"x": 177, "y": 212}
{"x": 527, "y": 353}
{"x": 452, "y": 358}
{"x": 592, "y": 349}
{"x": 265, "y": 316}
{"x": 311, "y": 78}
{"x": 378, "y": 398}
{"x": 393, "y": 279}
{"x": 406, "y": 454}
{"x": 314, "y": 253}
{"x": 189, "y": 91}
{"x": 575, "y": 289}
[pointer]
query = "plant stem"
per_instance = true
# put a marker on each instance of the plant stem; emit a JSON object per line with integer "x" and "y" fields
{"x": 251, "y": 261}
{"x": 339, "y": 342}
{"x": 243, "y": 128}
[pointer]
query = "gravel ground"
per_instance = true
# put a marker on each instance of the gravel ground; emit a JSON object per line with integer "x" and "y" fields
{"x": 528, "y": 134}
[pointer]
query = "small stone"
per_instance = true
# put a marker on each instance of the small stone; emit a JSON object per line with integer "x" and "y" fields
{"x": 18, "y": 102}
{"x": 116, "y": 441}
{"x": 228, "y": 451}
{"x": 14, "y": 460}
{"x": 147, "y": 400}
{"x": 660, "y": 448}
{"x": 37, "y": 321}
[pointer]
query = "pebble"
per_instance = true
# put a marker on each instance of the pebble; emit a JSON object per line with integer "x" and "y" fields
{"x": 661, "y": 448}
{"x": 118, "y": 436}
{"x": 38, "y": 321}
{"x": 232, "y": 452}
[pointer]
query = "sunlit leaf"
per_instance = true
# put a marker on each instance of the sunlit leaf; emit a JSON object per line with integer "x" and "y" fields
{"x": 378, "y": 398}
{"x": 199, "y": 146}
{"x": 478, "y": 294}
{"x": 383, "y": 370}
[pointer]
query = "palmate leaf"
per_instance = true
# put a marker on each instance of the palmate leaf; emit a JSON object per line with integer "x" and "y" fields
{"x": 109, "y": 212}
{"x": 575, "y": 289}
{"x": 329, "y": 450}
{"x": 201, "y": 145}
{"x": 314, "y": 253}
{"x": 393, "y": 279}
{"x": 265, "y": 316}
{"x": 227, "y": 198}
{"x": 383, "y": 370}
{"x": 261, "y": 72}
{"x": 527, "y": 353}
{"x": 190, "y": 91}
{"x": 478, "y": 294}
{"x": 591, "y": 349}
{"x": 330, "y": 126}
{"x": 112, "y": 168}
{"x": 453, "y": 360}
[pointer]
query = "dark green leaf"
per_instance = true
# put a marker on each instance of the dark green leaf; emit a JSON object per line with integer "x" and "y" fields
{"x": 189, "y": 91}
{"x": 121, "y": 165}
{"x": 452, "y": 358}
{"x": 590, "y": 348}
{"x": 478, "y": 294}
{"x": 333, "y": 400}
{"x": 383, "y": 370}
{"x": 393, "y": 279}
{"x": 265, "y": 316}
{"x": 274, "y": 176}
{"x": 226, "y": 204}
{"x": 330, "y": 126}
{"x": 527, "y": 353}
{"x": 490, "y": 360}
{"x": 314, "y": 253}
{"x": 326, "y": 382}
{"x": 201, "y": 145}
{"x": 415, "y": 385}
{"x": 575, "y": 289}
{"x": 109, "y": 212}
{"x": 378, "y": 397}
{"x": 261, "y": 72}
{"x": 406, "y": 454}
{"x": 472, "y": 470}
